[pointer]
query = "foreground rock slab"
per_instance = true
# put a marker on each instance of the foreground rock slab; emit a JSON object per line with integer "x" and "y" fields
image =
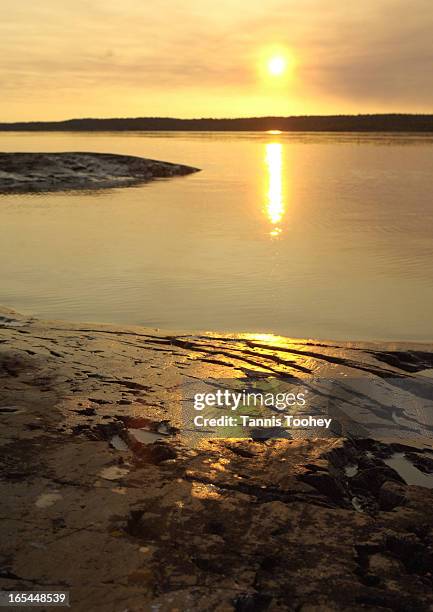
{"x": 103, "y": 496}
{"x": 30, "y": 172}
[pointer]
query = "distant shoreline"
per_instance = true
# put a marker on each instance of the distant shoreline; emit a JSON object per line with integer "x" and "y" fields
{"x": 317, "y": 123}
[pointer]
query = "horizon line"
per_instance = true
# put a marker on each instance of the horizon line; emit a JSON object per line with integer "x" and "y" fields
{"x": 253, "y": 117}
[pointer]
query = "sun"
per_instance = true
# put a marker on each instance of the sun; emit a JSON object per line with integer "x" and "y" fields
{"x": 277, "y": 65}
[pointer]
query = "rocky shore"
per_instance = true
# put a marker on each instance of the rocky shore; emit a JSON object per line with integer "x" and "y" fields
{"x": 104, "y": 496}
{"x": 36, "y": 172}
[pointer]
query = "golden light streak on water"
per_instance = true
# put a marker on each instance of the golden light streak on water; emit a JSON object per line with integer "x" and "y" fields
{"x": 275, "y": 205}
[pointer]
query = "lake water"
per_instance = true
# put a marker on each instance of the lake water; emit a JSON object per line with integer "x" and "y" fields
{"x": 305, "y": 235}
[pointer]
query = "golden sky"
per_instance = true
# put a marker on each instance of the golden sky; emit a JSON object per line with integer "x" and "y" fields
{"x": 209, "y": 58}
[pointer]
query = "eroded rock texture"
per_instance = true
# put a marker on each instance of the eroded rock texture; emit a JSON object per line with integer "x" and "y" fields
{"x": 35, "y": 172}
{"x": 103, "y": 495}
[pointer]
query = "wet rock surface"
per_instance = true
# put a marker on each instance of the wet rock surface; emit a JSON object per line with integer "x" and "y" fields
{"x": 39, "y": 172}
{"x": 128, "y": 521}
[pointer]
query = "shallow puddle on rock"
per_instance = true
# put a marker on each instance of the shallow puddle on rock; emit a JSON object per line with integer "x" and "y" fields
{"x": 119, "y": 444}
{"x": 45, "y": 500}
{"x": 428, "y": 372}
{"x": 145, "y": 437}
{"x": 357, "y": 504}
{"x": 410, "y": 474}
{"x": 163, "y": 429}
{"x": 114, "y": 472}
{"x": 351, "y": 470}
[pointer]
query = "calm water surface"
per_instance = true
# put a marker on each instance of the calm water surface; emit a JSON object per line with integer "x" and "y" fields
{"x": 306, "y": 235}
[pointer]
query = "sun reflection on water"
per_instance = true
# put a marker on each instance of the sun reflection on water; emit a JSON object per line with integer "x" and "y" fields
{"x": 275, "y": 206}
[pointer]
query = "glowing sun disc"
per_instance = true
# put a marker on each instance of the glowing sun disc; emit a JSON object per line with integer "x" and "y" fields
{"x": 277, "y": 65}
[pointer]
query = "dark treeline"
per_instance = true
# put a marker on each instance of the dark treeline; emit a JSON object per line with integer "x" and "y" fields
{"x": 330, "y": 123}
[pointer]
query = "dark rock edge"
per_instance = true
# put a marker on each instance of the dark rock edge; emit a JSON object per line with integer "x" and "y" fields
{"x": 42, "y": 172}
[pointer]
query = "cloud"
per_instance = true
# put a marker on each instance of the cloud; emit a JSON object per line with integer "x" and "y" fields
{"x": 365, "y": 55}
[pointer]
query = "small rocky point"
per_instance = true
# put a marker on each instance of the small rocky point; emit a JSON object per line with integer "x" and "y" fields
{"x": 40, "y": 172}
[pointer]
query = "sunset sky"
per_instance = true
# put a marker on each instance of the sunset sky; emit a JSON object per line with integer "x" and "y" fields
{"x": 201, "y": 58}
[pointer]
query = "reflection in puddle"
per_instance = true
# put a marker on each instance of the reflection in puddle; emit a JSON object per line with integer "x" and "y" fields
{"x": 145, "y": 437}
{"x": 351, "y": 470}
{"x": 275, "y": 200}
{"x": 410, "y": 474}
{"x": 141, "y": 431}
{"x": 119, "y": 444}
{"x": 356, "y": 503}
